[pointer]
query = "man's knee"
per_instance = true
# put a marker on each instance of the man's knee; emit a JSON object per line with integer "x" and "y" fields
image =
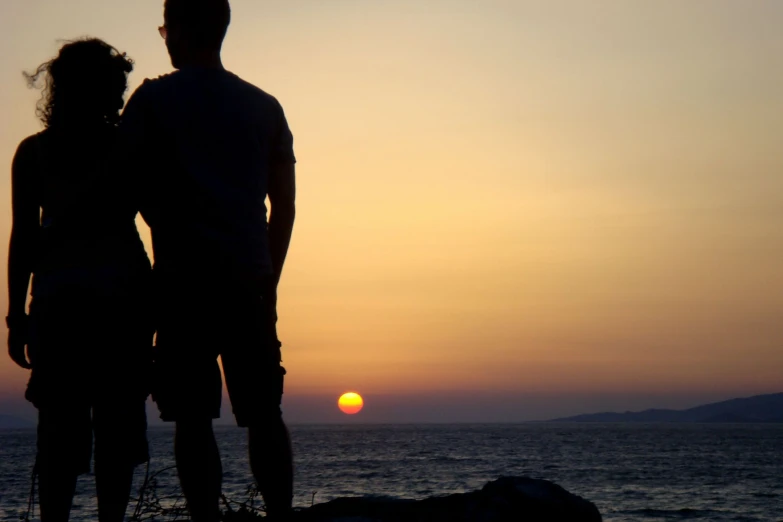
{"x": 194, "y": 432}
{"x": 270, "y": 433}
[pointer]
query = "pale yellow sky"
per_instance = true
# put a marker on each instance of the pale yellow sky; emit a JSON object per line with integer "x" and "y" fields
{"x": 500, "y": 196}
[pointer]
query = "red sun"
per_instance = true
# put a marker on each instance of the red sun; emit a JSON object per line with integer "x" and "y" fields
{"x": 350, "y": 403}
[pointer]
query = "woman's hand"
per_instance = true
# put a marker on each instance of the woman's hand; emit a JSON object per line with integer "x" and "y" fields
{"x": 17, "y": 343}
{"x": 22, "y": 248}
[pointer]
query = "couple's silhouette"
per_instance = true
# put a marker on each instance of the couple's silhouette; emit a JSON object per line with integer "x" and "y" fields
{"x": 196, "y": 152}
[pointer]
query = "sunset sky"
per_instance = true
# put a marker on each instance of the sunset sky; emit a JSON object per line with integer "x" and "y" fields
{"x": 507, "y": 209}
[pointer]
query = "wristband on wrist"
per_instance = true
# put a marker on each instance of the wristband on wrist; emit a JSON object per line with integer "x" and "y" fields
{"x": 12, "y": 321}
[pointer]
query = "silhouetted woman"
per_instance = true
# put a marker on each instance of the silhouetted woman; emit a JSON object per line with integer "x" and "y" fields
{"x": 88, "y": 335}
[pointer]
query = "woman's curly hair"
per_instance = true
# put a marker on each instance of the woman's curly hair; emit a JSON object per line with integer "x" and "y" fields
{"x": 84, "y": 83}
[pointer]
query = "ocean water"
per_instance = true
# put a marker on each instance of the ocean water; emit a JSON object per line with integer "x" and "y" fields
{"x": 631, "y": 472}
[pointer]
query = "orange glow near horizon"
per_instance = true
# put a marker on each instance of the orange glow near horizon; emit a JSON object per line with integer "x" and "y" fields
{"x": 502, "y": 197}
{"x": 350, "y": 403}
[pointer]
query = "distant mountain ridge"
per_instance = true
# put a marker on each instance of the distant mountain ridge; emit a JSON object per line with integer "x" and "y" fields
{"x": 760, "y": 408}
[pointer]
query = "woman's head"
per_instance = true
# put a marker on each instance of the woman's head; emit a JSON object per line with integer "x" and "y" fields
{"x": 84, "y": 83}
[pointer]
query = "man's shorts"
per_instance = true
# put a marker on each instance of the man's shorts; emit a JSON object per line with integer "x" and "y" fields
{"x": 91, "y": 349}
{"x": 196, "y": 324}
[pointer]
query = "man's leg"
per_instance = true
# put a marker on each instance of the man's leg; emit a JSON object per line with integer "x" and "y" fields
{"x": 199, "y": 468}
{"x": 271, "y": 461}
{"x": 255, "y": 382}
{"x": 188, "y": 388}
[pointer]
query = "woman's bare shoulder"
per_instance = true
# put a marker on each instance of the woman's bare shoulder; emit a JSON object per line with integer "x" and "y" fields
{"x": 30, "y": 145}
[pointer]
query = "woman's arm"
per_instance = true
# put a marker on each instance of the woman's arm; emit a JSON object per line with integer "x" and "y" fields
{"x": 23, "y": 246}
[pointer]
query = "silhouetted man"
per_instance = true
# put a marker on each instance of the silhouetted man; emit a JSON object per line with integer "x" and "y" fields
{"x": 207, "y": 149}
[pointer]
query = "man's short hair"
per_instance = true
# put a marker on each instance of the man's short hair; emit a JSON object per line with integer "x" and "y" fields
{"x": 203, "y": 22}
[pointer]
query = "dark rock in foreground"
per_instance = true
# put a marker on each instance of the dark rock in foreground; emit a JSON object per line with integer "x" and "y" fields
{"x": 504, "y": 500}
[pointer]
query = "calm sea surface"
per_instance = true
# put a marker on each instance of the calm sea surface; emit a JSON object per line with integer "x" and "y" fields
{"x": 631, "y": 472}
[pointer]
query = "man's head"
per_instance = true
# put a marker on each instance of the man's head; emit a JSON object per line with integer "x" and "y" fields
{"x": 194, "y": 28}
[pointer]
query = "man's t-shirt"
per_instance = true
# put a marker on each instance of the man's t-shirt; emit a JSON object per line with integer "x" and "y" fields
{"x": 201, "y": 147}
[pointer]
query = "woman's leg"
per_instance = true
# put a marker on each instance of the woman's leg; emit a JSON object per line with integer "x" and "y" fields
{"x": 113, "y": 482}
{"x": 122, "y": 357}
{"x": 120, "y": 428}
{"x": 56, "y": 487}
{"x": 64, "y": 444}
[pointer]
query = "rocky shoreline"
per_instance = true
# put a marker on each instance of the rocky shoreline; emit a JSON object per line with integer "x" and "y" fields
{"x": 508, "y": 499}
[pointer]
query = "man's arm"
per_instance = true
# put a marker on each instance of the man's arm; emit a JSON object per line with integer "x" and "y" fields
{"x": 282, "y": 197}
{"x": 134, "y": 159}
{"x": 22, "y": 248}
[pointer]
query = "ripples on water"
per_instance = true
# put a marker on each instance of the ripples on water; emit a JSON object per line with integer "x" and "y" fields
{"x": 631, "y": 472}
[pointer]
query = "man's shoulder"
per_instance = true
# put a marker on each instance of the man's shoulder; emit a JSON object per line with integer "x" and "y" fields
{"x": 146, "y": 94}
{"x": 253, "y": 91}
{"x": 171, "y": 83}
{"x": 154, "y": 85}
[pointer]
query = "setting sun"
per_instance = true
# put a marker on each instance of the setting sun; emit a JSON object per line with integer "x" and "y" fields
{"x": 350, "y": 403}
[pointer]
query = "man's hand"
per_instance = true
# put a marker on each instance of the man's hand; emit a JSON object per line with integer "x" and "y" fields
{"x": 17, "y": 342}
